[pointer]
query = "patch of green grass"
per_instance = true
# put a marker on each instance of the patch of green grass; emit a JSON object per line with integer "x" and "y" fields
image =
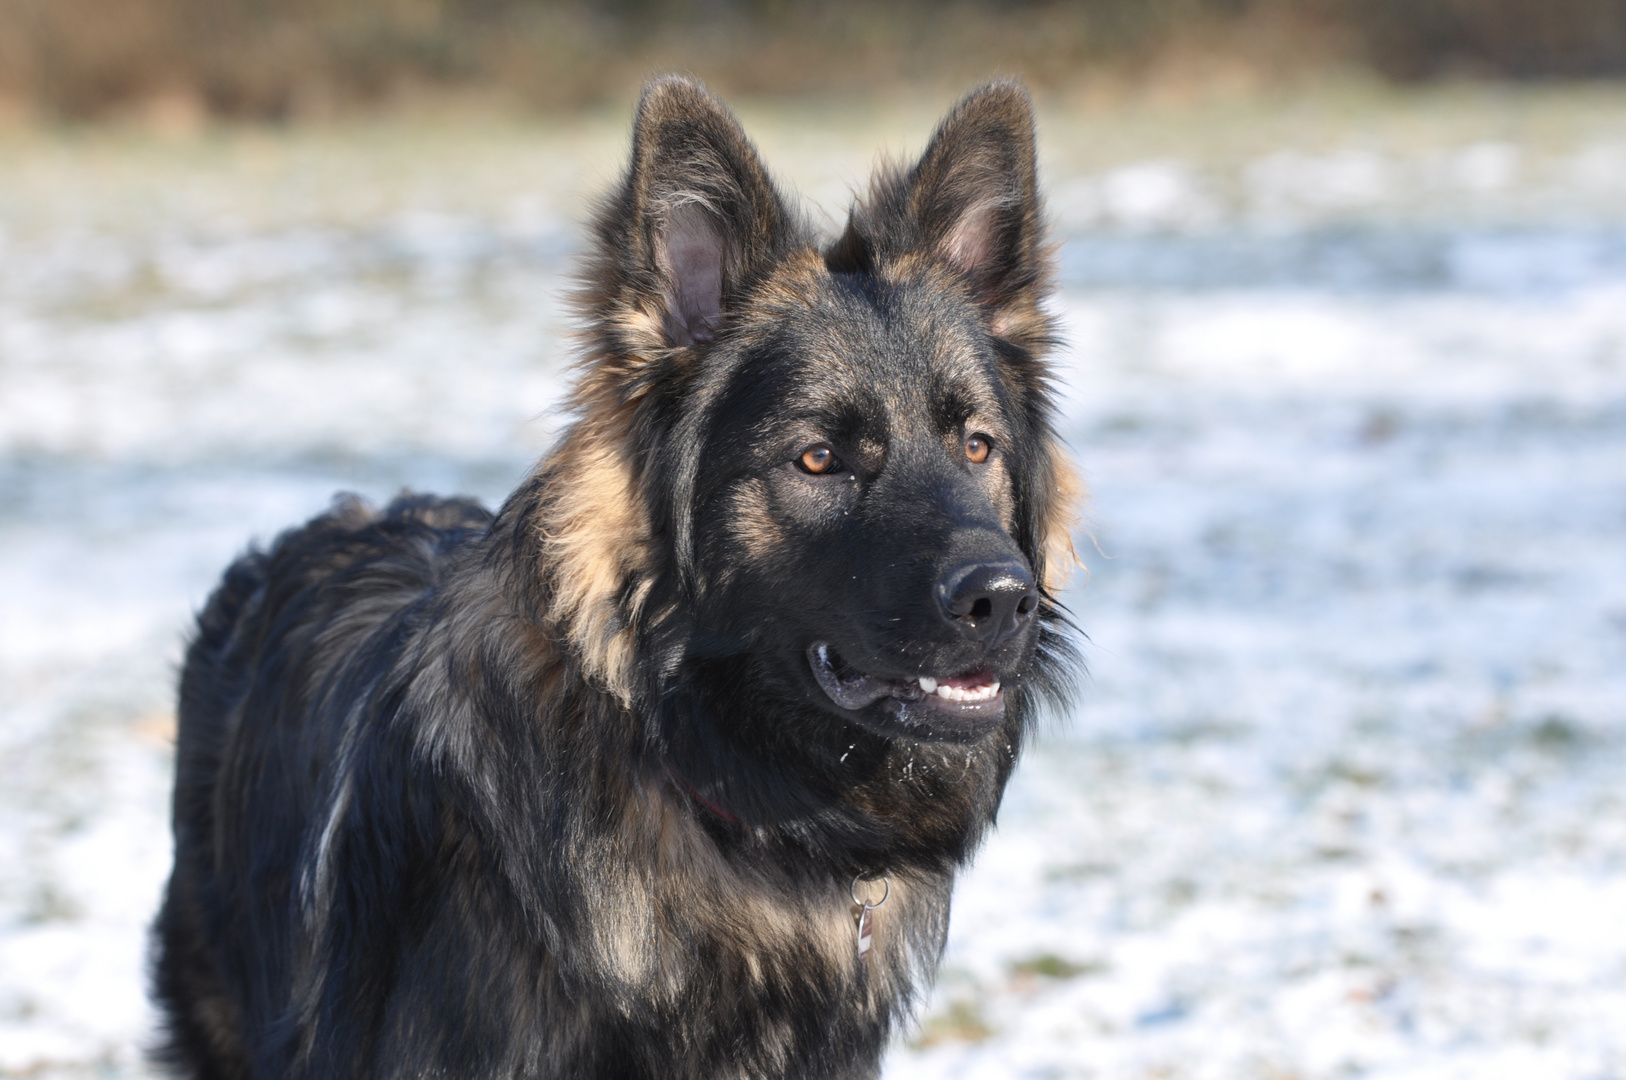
{"x": 1353, "y": 773}
{"x": 961, "y": 1022}
{"x": 1557, "y": 734}
{"x": 1080, "y": 871}
{"x": 49, "y": 904}
{"x": 1051, "y": 966}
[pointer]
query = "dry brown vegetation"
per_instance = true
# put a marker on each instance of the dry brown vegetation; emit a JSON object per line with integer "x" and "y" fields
{"x": 279, "y": 59}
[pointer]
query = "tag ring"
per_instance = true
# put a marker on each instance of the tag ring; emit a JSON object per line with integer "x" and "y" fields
{"x": 886, "y": 879}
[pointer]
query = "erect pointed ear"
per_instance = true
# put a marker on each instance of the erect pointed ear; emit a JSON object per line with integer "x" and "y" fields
{"x": 695, "y": 218}
{"x": 971, "y": 201}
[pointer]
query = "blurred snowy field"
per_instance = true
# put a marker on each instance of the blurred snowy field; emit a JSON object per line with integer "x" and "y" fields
{"x": 1343, "y": 795}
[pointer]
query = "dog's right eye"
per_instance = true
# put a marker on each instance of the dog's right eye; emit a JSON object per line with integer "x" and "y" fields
{"x": 818, "y": 460}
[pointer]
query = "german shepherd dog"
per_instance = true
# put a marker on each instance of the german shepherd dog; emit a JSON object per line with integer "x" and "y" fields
{"x": 665, "y": 768}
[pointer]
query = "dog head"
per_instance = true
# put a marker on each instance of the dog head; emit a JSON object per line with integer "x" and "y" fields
{"x": 829, "y": 470}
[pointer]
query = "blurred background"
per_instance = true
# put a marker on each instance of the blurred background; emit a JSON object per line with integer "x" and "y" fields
{"x": 1344, "y": 287}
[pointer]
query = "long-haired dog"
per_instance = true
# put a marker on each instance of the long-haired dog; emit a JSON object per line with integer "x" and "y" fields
{"x": 666, "y": 768}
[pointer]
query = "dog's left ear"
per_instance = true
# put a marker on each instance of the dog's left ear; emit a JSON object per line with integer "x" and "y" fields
{"x": 971, "y": 201}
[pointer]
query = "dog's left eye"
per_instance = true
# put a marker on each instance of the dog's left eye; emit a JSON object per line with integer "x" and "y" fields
{"x": 819, "y": 460}
{"x": 977, "y": 448}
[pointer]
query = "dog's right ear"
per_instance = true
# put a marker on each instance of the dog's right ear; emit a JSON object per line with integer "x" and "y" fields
{"x": 694, "y": 221}
{"x": 970, "y": 204}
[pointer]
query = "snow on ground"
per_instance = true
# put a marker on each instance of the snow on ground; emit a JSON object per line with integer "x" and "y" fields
{"x": 1341, "y": 796}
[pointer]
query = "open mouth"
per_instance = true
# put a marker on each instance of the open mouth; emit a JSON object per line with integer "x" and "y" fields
{"x": 971, "y": 699}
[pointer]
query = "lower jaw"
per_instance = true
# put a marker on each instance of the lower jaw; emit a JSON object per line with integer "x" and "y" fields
{"x": 931, "y": 719}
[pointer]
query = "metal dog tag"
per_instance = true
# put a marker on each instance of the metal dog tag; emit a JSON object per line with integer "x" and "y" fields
{"x": 864, "y": 909}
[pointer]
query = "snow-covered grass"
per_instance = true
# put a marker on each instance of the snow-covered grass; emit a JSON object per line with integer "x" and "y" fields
{"x": 1341, "y": 796}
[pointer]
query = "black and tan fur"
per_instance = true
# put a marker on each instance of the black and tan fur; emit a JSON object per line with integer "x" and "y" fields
{"x": 552, "y": 792}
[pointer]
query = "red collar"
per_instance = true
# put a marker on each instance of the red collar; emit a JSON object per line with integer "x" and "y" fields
{"x": 717, "y": 811}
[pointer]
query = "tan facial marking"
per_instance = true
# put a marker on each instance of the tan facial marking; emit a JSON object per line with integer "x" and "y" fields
{"x": 754, "y": 527}
{"x": 1067, "y": 502}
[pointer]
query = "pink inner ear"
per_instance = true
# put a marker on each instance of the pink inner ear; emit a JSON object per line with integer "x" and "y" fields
{"x": 691, "y": 257}
{"x": 969, "y": 244}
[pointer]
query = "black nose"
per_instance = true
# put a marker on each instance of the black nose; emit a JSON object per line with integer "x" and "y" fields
{"x": 988, "y": 601}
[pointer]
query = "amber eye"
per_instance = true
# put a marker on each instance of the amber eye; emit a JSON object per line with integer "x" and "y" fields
{"x": 819, "y": 459}
{"x": 977, "y": 447}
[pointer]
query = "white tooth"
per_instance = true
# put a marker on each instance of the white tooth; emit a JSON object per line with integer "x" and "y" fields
{"x": 928, "y": 684}
{"x": 986, "y": 692}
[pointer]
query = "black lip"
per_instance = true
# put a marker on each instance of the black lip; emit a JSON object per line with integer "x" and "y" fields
{"x": 899, "y": 707}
